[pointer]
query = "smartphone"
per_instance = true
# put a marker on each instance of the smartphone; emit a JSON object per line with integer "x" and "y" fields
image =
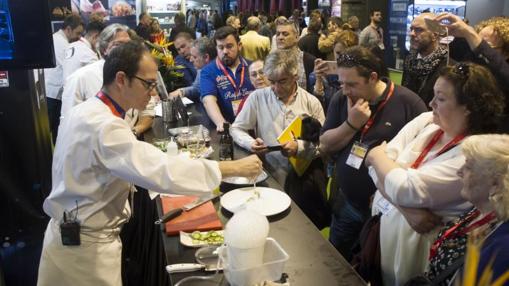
{"x": 274, "y": 148}
{"x": 332, "y": 67}
{"x": 435, "y": 27}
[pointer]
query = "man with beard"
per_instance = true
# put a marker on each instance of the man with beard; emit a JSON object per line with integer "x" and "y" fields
{"x": 426, "y": 58}
{"x": 373, "y": 34}
{"x": 225, "y": 81}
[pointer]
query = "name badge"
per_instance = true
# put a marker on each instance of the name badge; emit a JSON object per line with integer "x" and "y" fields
{"x": 384, "y": 205}
{"x": 236, "y": 105}
{"x": 357, "y": 155}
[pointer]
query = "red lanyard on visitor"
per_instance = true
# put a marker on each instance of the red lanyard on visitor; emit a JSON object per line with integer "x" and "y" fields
{"x": 230, "y": 79}
{"x": 371, "y": 120}
{"x": 455, "y": 141}
{"x": 450, "y": 233}
{"x": 117, "y": 111}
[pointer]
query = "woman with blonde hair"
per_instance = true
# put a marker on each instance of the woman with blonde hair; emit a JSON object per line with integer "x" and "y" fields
{"x": 485, "y": 177}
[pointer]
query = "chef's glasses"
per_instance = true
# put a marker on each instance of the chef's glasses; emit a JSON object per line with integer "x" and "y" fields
{"x": 148, "y": 84}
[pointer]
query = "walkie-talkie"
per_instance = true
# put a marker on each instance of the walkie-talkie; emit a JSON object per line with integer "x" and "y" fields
{"x": 70, "y": 230}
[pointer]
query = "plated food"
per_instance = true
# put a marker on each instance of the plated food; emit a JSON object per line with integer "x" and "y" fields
{"x": 265, "y": 201}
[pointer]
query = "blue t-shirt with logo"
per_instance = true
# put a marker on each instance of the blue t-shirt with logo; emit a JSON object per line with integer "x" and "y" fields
{"x": 213, "y": 82}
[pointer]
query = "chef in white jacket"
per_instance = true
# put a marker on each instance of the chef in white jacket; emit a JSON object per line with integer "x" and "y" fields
{"x": 82, "y": 52}
{"x": 96, "y": 163}
{"x": 54, "y": 77}
{"x": 87, "y": 81}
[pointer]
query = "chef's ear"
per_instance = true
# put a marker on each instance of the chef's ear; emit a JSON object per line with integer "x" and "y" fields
{"x": 121, "y": 79}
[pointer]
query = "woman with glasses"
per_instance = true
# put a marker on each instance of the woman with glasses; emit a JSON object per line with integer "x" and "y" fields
{"x": 416, "y": 172}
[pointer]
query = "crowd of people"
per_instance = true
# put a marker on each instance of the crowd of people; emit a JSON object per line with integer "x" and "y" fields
{"x": 412, "y": 169}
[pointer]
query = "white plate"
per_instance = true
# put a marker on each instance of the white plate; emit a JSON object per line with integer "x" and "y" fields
{"x": 270, "y": 202}
{"x": 245, "y": 181}
{"x": 187, "y": 240}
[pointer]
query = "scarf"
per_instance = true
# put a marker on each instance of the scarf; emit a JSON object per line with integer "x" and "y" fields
{"x": 423, "y": 67}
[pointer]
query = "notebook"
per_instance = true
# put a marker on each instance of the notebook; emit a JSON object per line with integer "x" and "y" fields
{"x": 292, "y": 132}
{"x": 201, "y": 218}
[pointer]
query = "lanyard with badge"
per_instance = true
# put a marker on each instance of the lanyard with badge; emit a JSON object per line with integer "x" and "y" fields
{"x": 359, "y": 149}
{"x": 235, "y": 103}
{"x": 455, "y": 141}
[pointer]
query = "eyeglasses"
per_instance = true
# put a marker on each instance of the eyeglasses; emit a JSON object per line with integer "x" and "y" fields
{"x": 256, "y": 73}
{"x": 149, "y": 85}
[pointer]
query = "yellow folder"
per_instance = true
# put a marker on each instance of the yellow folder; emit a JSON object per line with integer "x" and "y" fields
{"x": 293, "y": 132}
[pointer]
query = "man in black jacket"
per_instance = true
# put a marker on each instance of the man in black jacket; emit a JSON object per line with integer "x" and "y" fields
{"x": 309, "y": 43}
{"x": 425, "y": 59}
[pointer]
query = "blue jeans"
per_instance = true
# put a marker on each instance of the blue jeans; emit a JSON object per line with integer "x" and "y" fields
{"x": 345, "y": 228}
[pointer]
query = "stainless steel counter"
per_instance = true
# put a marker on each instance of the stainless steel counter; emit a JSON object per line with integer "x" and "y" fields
{"x": 313, "y": 260}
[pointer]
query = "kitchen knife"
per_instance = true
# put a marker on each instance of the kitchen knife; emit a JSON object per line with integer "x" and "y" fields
{"x": 189, "y": 267}
{"x": 187, "y": 207}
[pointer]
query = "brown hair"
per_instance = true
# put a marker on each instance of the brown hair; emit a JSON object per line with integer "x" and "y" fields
{"x": 476, "y": 88}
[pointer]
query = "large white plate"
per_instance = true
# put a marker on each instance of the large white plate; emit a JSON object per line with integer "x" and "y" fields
{"x": 270, "y": 202}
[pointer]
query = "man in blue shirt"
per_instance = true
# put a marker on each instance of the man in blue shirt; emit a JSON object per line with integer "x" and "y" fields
{"x": 225, "y": 81}
{"x": 183, "y": 43}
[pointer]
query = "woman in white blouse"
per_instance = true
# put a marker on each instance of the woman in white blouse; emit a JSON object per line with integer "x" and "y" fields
{"x": 416, "y": 172}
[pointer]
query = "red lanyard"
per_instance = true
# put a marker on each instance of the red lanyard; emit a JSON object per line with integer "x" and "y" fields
{"x": 113, "y": 106}
{"x": 371, "y": 120}
{"x": 432, "y": 143}
{"x": 230, "y": 79}
{"x": 451, "y": 232}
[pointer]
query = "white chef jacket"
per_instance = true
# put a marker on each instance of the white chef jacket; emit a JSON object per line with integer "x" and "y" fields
{"x": 434, "y": 185}
{"x": 54, "y": 77}
{"x": 96, "y": 161}
{"x": 77, "y": 55}
{"x": 85, "y": 83}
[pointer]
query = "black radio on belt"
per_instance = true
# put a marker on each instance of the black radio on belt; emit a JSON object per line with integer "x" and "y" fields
{"x": 70, "y": 230}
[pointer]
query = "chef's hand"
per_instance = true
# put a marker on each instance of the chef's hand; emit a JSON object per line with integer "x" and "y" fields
{"x": 258, "y": 146}
{"x": 421, "y": 220}
{"x": 290, "y": 148}
{"x": 249, "y": 167}
{"x": 358, "y": 112}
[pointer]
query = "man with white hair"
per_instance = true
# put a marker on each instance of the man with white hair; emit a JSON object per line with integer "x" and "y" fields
{"x": 87, "y": 81}
{"x": 271, "y": 109}
{"x": 254, "y": 46}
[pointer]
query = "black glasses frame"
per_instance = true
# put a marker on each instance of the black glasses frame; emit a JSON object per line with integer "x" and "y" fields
{"x": 149, "y": 85}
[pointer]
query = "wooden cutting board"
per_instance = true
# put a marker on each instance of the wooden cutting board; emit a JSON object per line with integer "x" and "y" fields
{"x": 201, "y": 218}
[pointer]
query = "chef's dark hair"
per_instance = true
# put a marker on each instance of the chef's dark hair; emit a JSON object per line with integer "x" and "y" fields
{"x": 126, "y": 58}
